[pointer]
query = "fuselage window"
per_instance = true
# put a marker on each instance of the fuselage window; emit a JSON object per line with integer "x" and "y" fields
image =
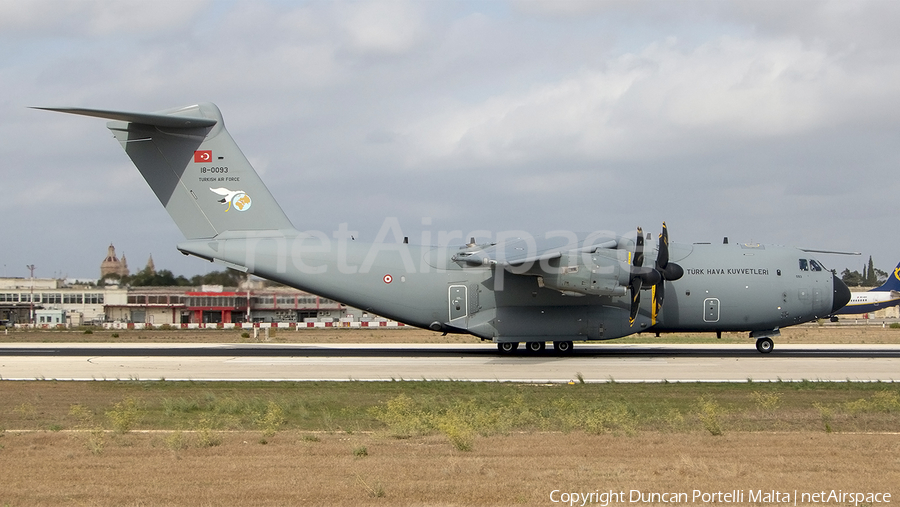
{"x": 804, "y": 266}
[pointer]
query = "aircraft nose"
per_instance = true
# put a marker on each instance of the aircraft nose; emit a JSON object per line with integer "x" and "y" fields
{"x": 841, "y": 294}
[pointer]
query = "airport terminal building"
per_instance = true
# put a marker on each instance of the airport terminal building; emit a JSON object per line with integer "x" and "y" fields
{"x": 50, "y": 303}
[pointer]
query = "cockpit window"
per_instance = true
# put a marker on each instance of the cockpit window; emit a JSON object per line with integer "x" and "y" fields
{"x": 811, "y": 265}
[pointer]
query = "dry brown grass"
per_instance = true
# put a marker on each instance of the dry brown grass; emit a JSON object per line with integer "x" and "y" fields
{"x": 202, "y": 466}
{"x": 844, "y": 333}
{"x": 519, "y": 469}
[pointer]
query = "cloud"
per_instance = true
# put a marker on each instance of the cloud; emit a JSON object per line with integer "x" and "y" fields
{"x": 659, "y": 103}
{"x": 96, "y": 18}
{"x": 381, "y": 28}
{"x": 479, "y": 115}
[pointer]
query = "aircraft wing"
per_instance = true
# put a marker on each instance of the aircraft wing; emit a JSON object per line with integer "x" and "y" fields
{"x": 517, "y": 252}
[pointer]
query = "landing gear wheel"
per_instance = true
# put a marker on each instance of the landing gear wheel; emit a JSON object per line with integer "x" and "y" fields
{"x": 508, "y": 347}
{"x": 562, "y": 347}
{"x": 764, "y": 345}
{"x": 535, "y": 346}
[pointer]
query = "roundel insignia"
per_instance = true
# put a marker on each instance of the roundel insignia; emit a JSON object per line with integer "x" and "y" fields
{"x": 241, "y": 202}
{"x": 388, "y": 278}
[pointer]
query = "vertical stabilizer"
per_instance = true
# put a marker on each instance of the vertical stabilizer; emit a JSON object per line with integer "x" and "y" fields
{"x": 892, "y": 282}
{"x": 195, "y": 169}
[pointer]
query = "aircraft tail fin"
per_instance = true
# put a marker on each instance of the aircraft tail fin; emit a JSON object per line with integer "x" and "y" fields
{"x": 195, "y": 169}
{"x": 892, "y": 283}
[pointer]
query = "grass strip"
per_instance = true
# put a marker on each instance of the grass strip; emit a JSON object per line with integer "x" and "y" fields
{"x": 459, "y": 410}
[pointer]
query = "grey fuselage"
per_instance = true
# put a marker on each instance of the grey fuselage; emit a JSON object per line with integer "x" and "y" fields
{"x": 730, "y": 287}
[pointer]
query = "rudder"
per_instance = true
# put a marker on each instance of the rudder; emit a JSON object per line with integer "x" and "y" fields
{"x": 892, "y": 282}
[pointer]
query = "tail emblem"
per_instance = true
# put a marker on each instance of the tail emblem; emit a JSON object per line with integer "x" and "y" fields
{"x": 237, "y": 198}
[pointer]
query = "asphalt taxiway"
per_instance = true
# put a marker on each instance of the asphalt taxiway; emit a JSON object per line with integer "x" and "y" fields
{"x": 475, "y": 362}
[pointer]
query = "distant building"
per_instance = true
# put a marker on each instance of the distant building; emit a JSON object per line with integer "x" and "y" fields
{"x": 73, "y": 305}
{"x": 111, "y": 265}
{"x": 81, "y": 304}
{"x": 50, "y": 318}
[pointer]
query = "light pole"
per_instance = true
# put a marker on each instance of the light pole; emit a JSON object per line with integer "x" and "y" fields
{"x": 31, "y": 297}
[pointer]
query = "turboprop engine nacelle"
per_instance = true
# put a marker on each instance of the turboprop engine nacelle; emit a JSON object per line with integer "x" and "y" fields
{"x": 602, "y": 273}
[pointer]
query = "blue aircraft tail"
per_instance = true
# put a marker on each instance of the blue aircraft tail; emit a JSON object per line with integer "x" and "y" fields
{"x": 892, "y": 283}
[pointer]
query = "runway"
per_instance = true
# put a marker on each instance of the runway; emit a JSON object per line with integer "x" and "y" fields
{"x": 475, "y": 362}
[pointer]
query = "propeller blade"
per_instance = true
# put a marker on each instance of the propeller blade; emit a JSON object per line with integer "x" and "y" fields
{"x": 635, "y": 298}
{"x": 660, "y": 295}
{"x": 639, "y": 249}
{"x": 662, "y": 257}
{"x": 668, "y": 270}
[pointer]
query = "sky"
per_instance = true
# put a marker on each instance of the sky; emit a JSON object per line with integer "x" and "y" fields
{"x": 763, "y": 121}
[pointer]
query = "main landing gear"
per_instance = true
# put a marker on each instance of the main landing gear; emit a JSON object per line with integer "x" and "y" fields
{"x": 764, "y": 345}
{"x": 563, "y": 347}
{"x": 508, "y": 347}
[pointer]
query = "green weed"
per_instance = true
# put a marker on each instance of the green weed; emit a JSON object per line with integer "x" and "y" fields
{"x": 124, "y": 415}
{"x": 176, "y": 441}
{"x": 26, "y": 410}
{"x": 376, "y": 491}
{"x": 96, "y": 440}
{"x": 271, "y": 420}
{"x": 826, "y": 414}
{"x": 710, "y": 414}
{"x": 83, "y": 415}
{"x": 207, "y": 436}
{"x": 767, "y": 402}
{"x": 173, "y": 406}
{"x": 881, "y": 401}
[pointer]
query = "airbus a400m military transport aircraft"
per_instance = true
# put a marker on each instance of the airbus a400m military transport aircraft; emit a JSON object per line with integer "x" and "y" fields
{"x": 559, "y": 288}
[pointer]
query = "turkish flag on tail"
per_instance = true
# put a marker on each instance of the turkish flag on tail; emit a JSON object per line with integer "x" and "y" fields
{"x": 203, "y": 156}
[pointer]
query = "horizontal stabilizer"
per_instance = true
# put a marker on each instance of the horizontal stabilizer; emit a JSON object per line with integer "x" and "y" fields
{"x": 172, "y": 120}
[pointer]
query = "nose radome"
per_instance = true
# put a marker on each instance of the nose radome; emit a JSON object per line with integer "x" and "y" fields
{"x": 840, "y": 296}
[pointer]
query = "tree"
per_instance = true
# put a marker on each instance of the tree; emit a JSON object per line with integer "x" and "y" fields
{"x": 228, "y": 278}
{"x": 147, "y": 278}
{"x": 851, "y": 278}
{"x": 165, "y": 278}
{"x": 870, "y": 277}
